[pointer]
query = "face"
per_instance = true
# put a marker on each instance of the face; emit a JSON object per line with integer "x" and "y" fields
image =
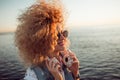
{"x": 61, "y": 42}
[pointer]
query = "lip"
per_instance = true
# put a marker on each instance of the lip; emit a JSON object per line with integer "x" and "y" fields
{"x": 61, "y": 43}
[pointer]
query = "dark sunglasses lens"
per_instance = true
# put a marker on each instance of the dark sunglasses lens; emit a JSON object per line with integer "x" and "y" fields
{"x": 59, "y": 35}
{"x": 65, "y": 33}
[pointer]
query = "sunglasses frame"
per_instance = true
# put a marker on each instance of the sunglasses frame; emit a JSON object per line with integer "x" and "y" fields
{"x": 64, "y": 33}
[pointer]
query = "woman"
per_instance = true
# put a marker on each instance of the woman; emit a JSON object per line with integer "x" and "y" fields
{"x": 42, "y": 43}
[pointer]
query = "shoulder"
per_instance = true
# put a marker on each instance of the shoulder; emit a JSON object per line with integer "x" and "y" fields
{"x": 37, "y": 73}
{"x": 30, "y": 74}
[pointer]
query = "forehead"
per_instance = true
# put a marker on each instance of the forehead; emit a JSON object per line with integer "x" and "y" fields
{"x": 59, "y": 28}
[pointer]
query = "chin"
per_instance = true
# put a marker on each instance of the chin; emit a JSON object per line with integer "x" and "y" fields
{"x": 62, "y": 48}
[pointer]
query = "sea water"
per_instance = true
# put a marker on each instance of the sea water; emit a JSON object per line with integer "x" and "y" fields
{"x": 97, "y": 48}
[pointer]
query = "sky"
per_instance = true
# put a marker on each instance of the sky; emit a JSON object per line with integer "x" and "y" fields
{"x": 80, "y": 12}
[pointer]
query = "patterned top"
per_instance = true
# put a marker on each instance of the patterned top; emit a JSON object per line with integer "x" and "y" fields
{"x": 30, "y": 75}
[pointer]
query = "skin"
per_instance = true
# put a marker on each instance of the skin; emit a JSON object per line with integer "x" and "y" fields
{"x": 55, "y": 68}
{"x": 74, "y": 68}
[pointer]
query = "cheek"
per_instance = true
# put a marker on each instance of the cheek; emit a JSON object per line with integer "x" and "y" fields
{"x": 59, "y": 48}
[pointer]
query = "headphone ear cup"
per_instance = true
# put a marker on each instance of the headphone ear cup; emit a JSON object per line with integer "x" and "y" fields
{"x": 55, "y": 60}
{"x": 65, "y": 33}
{"x": 66, "y": 59}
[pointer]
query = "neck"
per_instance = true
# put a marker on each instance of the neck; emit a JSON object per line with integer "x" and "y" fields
{"x": 56, "y": 53}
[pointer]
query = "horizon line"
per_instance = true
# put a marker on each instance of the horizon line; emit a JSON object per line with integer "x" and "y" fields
{"x": 75, "y": 26}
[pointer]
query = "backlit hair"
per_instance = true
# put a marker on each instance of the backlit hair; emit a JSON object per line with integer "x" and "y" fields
{"x": 36, "y": 34}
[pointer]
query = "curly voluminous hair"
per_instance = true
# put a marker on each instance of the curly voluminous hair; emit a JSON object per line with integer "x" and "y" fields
{"x": 36, "y": 34}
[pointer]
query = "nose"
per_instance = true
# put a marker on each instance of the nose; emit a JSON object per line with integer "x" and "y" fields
{"x": 62, "y": 37}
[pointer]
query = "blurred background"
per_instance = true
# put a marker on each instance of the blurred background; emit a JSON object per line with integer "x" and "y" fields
{"x": 94, "y": 27}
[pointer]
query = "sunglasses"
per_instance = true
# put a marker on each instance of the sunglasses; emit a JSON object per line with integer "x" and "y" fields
{"x": 64, "y": 33}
